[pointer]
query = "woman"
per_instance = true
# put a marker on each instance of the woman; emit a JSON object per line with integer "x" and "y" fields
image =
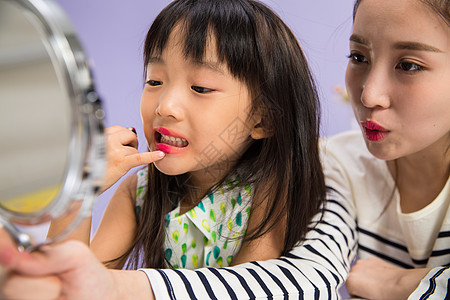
{"x": 396, "y": 174}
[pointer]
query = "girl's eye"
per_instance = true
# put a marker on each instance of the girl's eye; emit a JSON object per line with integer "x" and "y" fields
{"x": 357, "y": 58}
{"x": 409, "y": 67}
{"x": 201, "y": 90}
{"x": 154, "y": 82}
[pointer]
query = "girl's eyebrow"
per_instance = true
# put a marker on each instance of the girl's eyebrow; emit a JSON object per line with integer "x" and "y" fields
{"x": 155, "y": 59}
{"x": 212, "y": 65}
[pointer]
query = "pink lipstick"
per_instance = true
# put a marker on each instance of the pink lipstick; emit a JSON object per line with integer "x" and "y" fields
{"x": 170, "y": 142}
{"x": 373, "y": 131}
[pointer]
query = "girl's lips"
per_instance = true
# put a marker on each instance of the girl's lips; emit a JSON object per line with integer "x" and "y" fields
{"x": 170, "y": 142}
{"x": 167, "y": 149}
{"x": 373, "y": 131}
{"x": 168, "y": 132}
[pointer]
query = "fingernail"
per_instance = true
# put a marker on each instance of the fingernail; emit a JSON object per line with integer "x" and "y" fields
{"x": 160, "y": 154}
{"x": 132, "y": 129}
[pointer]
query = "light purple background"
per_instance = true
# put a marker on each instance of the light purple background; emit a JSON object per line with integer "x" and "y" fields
{"x": 112, "y": 34}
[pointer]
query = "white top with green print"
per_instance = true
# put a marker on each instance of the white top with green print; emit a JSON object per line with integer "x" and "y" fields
{"x": 209, "y": 235}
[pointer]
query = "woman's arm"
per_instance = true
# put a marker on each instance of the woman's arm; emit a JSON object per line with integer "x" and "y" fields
{"x": 316, "y": 268}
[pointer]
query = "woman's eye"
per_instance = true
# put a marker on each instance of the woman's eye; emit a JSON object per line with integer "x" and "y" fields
{"x": 201, "y": 90}
{"x": 153, "y": 82}
{"x": 357, "y": 58}
{"x": 409, "y": 66}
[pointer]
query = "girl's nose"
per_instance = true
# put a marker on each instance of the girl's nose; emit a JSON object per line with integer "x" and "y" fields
{"x": 375, "y": 89}
{"x": 170, "y": 105}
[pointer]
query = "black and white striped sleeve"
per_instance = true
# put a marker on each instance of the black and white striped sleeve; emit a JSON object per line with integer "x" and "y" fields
{"x": 434, "y": 286}
{"x": 313, "y": 270}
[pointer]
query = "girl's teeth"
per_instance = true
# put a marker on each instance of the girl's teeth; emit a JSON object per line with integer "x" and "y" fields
{"x": 177, "y": 142}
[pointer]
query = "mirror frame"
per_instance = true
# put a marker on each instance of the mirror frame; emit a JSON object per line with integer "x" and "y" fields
{"x": 86, "y": 157}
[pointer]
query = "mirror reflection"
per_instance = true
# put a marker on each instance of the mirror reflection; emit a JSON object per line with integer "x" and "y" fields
{"x": 35, "y": 114}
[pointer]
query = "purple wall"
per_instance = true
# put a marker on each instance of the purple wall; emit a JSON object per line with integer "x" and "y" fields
{"x": 112, "y": 33}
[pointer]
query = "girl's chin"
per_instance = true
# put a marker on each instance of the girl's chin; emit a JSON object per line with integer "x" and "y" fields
{"x": 167, "y": 168}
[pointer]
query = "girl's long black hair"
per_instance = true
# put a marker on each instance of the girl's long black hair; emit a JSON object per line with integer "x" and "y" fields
{"x": 261, "y": 51}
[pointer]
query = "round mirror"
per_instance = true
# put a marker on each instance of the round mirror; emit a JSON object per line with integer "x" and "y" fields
{"x": 52, "y": 149}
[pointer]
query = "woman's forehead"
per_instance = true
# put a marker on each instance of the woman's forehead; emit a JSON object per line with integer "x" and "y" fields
{"x": 402, "y": 20}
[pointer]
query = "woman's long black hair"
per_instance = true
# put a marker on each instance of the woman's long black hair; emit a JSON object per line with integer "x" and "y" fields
{"x": 261, "y": 51}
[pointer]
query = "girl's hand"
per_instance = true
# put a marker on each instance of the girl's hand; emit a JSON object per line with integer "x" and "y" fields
{"x": 122, "y": 154}
{"x": 65, "y": 271}
{"x": 373, "y": 278}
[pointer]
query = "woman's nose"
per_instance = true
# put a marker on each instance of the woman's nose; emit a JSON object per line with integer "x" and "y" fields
{"x": 375, "y": 89}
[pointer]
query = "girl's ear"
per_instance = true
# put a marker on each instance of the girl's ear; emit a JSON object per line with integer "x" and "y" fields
{"x": 260, "y": 131}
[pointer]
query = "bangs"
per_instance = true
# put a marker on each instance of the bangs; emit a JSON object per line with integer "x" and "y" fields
{"x": 198, "y": 23}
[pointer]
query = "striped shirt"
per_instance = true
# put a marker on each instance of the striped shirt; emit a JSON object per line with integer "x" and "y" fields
{"x": 318, "y": 267}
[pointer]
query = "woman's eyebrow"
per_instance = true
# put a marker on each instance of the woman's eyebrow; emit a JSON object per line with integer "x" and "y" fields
{"x": 416, "y": 46}
{"x": 399, "y": 45}
{"x": 358, "y": 39}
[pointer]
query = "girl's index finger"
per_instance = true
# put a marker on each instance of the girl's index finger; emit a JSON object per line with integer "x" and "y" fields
{"x": 144, "y": 158}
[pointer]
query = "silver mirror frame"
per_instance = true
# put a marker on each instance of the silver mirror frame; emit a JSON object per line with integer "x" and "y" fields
{"x": 86, "y": 160}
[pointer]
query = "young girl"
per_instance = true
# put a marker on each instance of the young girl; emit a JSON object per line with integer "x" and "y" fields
{"x": 396, "y": 173}
{"x": 229, "y": 104}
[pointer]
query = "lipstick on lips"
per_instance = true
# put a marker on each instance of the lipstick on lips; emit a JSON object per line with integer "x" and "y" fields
{"x": 373, "y": 131}
{"x": 169, "y": 141}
